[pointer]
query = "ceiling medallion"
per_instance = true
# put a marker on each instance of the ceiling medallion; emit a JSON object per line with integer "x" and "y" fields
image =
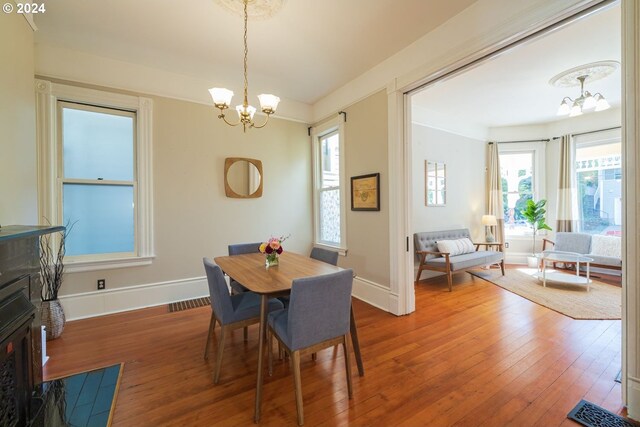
{"x": 256, "y": 9}
{"x": 578, "y": 76}
{"x": 595, "y": 71}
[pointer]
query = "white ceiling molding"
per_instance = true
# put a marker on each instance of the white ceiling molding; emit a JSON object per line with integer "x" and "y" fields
{"x": 66, "y": 64}
{"x": 481, "y": 24}
{"x": 305, "y": 51}
{"x": 513, "y": 88}
{"x": 27, "y": 16}
{"x": 447, "y": 122}
{"x": 585, "y": 123}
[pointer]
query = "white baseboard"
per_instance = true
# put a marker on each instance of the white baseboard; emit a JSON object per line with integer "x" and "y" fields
{"x": 516, "y": 257}
{"x": 99, "y": 303}
{"x": 372, "y": 293}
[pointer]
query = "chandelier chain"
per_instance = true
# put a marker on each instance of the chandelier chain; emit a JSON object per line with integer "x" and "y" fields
{"x": 222, "y": 97}
{"x": 246, "y": 53}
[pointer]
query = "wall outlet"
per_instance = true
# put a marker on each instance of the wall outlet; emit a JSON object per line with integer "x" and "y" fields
{"x": 506, "y": 245}
{"x": 102, "y": 284}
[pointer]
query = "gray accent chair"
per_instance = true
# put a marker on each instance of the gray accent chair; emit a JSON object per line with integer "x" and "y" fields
{"x": 431, "y": 259}
{"x": 240, "y": 249}
{"x": 230, "y": 311}
{"x": 324, "y": 255}
{"x": 580, "y": 243}
{"x": 318, "y": 317}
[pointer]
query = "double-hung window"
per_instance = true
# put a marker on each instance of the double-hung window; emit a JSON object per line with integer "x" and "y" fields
{"x": 599, "y": 180}
{"x": 521, "y": 173}
{"x": 329, "y": 186}
{"x": 98, "y": 179}
{"x": 94, "y": 155}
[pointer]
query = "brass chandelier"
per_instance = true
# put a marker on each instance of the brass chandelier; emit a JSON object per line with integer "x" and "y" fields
{"x": 222, "y": 97}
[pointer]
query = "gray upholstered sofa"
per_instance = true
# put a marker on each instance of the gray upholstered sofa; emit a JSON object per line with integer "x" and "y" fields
{"x": 604, "y": 250}
{"x": 430, "y": 258}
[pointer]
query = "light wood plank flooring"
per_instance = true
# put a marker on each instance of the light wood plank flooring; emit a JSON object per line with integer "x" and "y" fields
{"x": 478, "y": 356}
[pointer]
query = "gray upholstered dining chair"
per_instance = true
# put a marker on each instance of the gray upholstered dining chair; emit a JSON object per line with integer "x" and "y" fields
{"x": 239, "y": 249}
{"x": 324, "y": 255}
{"x": 230, "y": 311}
{"x": 318, "y": 317}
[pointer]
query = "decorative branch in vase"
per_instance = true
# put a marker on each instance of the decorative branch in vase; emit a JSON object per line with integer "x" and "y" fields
{"x": 51, "y": 275}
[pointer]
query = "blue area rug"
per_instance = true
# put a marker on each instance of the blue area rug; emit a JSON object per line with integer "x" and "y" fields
{"x": 86, "y": 399}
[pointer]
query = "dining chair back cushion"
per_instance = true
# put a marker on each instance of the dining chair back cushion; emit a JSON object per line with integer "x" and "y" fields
{"x": 218, "y": 291}
{"x": 319, "y": 309}
{"x": 240, "y": 249}
{"x": 233, "y": 308}
{"x": 324, "y": 255}
{"x": 244, "y": 248}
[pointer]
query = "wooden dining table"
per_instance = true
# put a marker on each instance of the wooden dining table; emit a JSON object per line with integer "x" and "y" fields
{"x": 250, "y": 271}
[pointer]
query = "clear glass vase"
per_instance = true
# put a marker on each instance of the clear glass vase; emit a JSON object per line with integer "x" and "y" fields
{"x": 271, "y": 260}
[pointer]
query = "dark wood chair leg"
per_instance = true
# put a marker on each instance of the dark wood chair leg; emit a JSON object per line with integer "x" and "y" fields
{"x": 314, "y": 356}
{"x": 347, "y": 363}
{"x": 216, "y": 375}
{"x": 270, "y": 350}
{"x": 212, "y": 325}
{"x": 502, "y": 266}
{"x": 449, "y": 281}
{"x": 356, "y": 344}
{"x": 297, "y": 380}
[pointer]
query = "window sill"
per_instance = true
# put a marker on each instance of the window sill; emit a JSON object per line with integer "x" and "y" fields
{"x": 341, "y": 251}
{"x": 107, "y": 264}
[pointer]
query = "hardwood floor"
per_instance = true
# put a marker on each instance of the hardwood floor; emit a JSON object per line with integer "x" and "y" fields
{"x": 477, "y": 356}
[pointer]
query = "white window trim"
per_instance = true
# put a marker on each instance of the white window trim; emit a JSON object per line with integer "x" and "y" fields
{"x": 539, "y": 174}
{"x": 47, "y": 96}
{"x": 317, "y": 133}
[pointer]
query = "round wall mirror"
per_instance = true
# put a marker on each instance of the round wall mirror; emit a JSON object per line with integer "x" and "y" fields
{"x": 243, "y": 178}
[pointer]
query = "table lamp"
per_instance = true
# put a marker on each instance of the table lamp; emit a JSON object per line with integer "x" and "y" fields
{"x": 488, "y": 221}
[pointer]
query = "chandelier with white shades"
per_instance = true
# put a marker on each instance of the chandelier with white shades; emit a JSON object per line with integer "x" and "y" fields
{"x": 586, "y": 101}
{"x": 222, "y": 97}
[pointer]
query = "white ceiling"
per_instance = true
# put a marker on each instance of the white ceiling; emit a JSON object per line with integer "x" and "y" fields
{"x": 307, "y": 50}
{"x": 513, "y": 89}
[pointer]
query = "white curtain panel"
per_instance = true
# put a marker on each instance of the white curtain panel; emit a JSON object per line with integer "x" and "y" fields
{"x": 494, "y": 190}
{"x": 567, "y": 189}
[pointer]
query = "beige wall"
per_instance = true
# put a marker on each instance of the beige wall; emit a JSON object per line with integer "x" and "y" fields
{"x": 465, "y": 159}
{"x": 18, "y": 193}
{"x": 193, "y": 218}
{"x": 365, "y": 153}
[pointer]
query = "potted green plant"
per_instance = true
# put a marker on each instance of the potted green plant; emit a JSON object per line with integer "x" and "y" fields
{"x": 51, "y": 274}
{"x": 534, "y": 214}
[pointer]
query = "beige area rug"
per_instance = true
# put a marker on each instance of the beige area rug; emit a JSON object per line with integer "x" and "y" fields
{"x": 602, "y": 302}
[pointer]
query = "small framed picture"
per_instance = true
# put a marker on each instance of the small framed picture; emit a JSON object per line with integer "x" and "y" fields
{"x": 365, "y": 192}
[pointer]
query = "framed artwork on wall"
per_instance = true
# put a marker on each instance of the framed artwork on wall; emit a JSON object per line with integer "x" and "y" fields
{"x": 365, "y": 192}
